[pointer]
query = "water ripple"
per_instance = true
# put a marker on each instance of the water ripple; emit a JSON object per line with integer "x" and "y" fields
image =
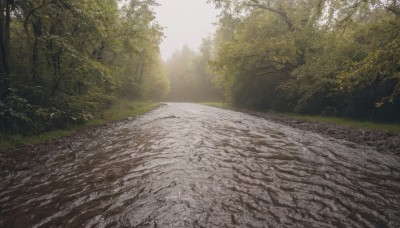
{"x": 186, "y": 165}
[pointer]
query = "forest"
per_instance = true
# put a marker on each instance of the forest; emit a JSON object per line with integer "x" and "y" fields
{"x": 191, "y": 78}
{"x": 319, "y": 57}
{"x": 63, "y": 61}
{"x": 339, "y": 58}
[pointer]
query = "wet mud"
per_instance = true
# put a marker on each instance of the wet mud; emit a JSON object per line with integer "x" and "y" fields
{"x": 383, "y": 141}
{"x": 186, "y": 165}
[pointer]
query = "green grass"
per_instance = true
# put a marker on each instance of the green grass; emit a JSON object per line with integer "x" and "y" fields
{"x": 393, "y": 127}
{"x": 385, "y": 127}
{"x": 123, "y": 109}
{"x": 120, "y": 110}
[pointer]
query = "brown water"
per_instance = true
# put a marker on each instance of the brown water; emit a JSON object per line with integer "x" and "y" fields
{"x": 186, "y": 165}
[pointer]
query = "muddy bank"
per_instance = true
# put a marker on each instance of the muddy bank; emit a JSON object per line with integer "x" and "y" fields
{"x": 382, "y": 141}
{"x": 25, "y": 157}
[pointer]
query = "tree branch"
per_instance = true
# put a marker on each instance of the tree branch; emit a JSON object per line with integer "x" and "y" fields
{"x": 30, "y": 14}
{"x": 281, "y": 13}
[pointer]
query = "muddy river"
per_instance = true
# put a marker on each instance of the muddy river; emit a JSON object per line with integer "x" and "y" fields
{"x": 187, "y": 165}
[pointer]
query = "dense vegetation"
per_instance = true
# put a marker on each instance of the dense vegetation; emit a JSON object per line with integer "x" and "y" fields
{"x": 330, "y": 57}
{"x": 62, "y": 61}
{"x": 190, "y": 76}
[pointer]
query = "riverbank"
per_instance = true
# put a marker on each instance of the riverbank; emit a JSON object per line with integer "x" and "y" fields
{"x": 17, "y": 151}
{"x": 384, "y": 137}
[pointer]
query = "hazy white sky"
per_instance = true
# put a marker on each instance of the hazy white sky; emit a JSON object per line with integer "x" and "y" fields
{"x": 186, "y": 22}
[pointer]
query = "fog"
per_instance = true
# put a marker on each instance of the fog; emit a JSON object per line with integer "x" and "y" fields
{"x": 186, "y": 22}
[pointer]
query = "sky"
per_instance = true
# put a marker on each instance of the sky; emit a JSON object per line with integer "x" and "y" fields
{"x": 186, "y": 22}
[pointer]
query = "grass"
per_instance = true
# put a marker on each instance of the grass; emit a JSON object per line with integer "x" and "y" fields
{"x": 123, "y": 109}
{"x": 385, "y": 127}
{"x": 120, "y": 110}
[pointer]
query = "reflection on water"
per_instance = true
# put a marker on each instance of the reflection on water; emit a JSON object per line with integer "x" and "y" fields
{"x": 186, "y": 165}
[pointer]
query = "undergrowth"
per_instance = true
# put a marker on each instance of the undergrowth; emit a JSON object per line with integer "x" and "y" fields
{"x": 119, "y": 110}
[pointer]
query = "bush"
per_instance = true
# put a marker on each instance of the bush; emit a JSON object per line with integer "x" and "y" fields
{"x": 18, "y": 116}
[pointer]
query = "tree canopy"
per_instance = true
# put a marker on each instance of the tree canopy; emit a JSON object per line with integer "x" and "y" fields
{"x": 62, "y": 61}
{"x": 311, "y": 56}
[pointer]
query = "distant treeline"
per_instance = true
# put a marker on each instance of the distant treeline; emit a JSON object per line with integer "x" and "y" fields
{"x": 331, "y": 57}
{"x": 190, "y": 76}
{"x": 63, "y": 61}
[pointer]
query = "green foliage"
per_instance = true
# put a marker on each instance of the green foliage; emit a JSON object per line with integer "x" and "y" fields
{"x": 16, "y": 114}
{"x": 381, "y": 66}
{"x": 338, "y": 58}
{"x": 119, "y": 110}
{"x": 68, "y": 60}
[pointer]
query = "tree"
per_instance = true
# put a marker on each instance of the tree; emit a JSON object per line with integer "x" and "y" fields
{"x": 74, "y": 58}
{"x": 5, "y": 21}
{"x": 190, "y": 76}
{"x": 310, "y": 56}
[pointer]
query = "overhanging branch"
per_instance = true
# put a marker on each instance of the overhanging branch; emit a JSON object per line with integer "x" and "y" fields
{"x": 282, "y": 14}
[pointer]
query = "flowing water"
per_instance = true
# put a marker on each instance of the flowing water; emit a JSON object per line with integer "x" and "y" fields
{"x": 186, "y": 165}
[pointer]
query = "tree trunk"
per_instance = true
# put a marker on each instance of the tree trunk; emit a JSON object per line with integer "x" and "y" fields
{"x": 5, "y": 20}
{"x": 139, "y": 81}
{"x": 37, "y": 29}
{"x": 57, "y": 71}
{"x": 141, "y": 72}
